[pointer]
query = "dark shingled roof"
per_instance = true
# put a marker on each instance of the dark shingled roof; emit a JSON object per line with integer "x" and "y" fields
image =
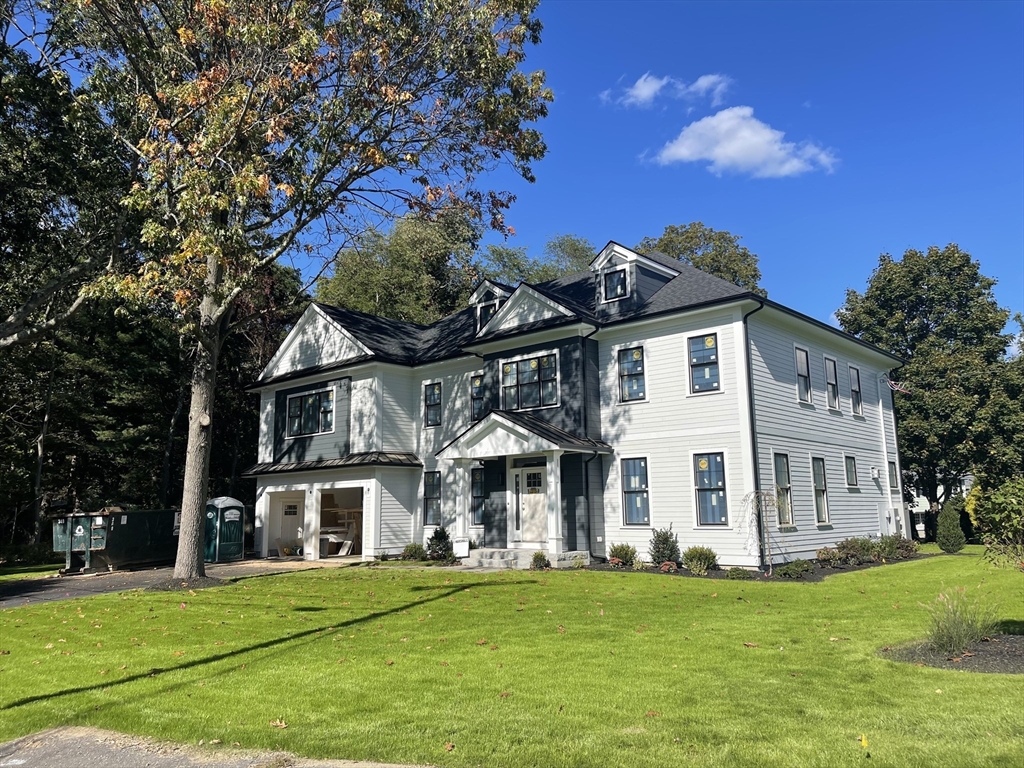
{"x": 370, "y": 459}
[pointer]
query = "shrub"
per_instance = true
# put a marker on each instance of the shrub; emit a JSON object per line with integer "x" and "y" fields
{"x": 739, "y": 574}
{"x": 579, "y": 562}
{"x": 414, "y": 551}
{"x": 957, "y": 623}
{"x": 829, "y": 557}
{"x": 439, "y": 546}
{"x": 664, "y": 546}
{"x": 905, "y": 548}
{"x": 539, "y": 561}
{"x": 886, "y": 549}
{"x": 950, "y": 536}
{"x": 794, "y": 570}
{"x": 614, "y": 562}
{"x": 856, "y": 551}
{"x": 1000, "y": 518}
{"x": 623, "y": 552}
{"x": 29, "y": 554}
{"x": 700, "y": 560}
{"x": 669, "y": 566}
{"x": 639, "y": 565}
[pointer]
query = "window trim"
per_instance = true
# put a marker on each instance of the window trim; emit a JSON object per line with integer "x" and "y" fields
{"x": 607, "y": 271}
{"x": 622, "y": 492}
{"x": 788, "y": 488}
{"x": 718, "y": 364}
{"x": 287, "y": 406}
{"x": 846, "y": 471}
{"x": 814, "y": 491}
{"x": 698, "y": 525}
{"x": 619, "y": 375}
{"x": 531, "y": 356}
{"x": 473, "y": 418}
{"x": 828, "y": 385}
{"x": 426, "y": 508}
{"x": 894, "y": 477}
{"x": 473, "y": 497}
{"x": 440, "y": 403}
{"x": 855, "y": 407}
{"x": 796, "y": 368}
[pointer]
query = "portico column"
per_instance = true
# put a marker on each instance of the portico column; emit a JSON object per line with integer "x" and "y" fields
{"x": 263, "y": 522}
{"x": 554, "y": 472}
{"x": 311, "y": 525}
{"x": 461, "y": 508}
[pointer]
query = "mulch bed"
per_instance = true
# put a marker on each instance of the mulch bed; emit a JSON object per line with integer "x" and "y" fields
{"x": 182, "y": 585}
{"x": 815, "y": 575}
{"x": 1002, "y": 654}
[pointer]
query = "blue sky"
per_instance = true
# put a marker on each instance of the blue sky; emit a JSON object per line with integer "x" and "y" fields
{"x": 822, "y": 133}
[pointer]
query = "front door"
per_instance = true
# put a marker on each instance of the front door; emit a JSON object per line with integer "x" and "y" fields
{"x": 531, "y": 505}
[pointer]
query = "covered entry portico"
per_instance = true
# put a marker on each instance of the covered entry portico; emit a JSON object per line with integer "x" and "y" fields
{"x": 525, "y": 480}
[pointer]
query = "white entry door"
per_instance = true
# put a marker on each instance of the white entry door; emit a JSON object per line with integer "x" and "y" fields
{"x": 530, "y": 504}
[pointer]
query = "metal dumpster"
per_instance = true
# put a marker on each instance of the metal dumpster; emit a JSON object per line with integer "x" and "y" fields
{"x": 116, "y": 538}
{"x": 225, "y": 530}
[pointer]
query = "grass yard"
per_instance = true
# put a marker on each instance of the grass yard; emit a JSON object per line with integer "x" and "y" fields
{"x": 18, "y": 572}
{"x": 525, "y": 668}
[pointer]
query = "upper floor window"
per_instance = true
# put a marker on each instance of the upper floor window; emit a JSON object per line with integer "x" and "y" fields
{"x": 631, "y": 375}
{"x": 704, "y": 363}
{"x": 803, "y": 375}
{"x": 851, "y": 471}
{"x": 311, "y": 413}
{"x": 635, "y": 500}
{"x": 485, "y": 312}
{"x": 856, "y": 398}
{"x": 432, "y": 404}
{"x": 431, "y": 498}
{"x": 894, "y": 484}
{"x": 783, "y": 489}
{"x": 476, "y": 396}
{"x": 709, "y": 472}
{"x": 832, "y": 383}
{"x": 531, "y": 383}
{"x": 479, "y": 497}
{"x": 615, "y": 284}
{"x": 820, "y": 490}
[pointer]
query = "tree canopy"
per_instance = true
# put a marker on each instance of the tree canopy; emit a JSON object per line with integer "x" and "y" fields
{"x": 718, "y": 253}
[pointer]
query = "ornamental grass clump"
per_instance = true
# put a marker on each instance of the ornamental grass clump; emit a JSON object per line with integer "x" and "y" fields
{"x": 700, "y": 560}
{"x": 958, "y": 622}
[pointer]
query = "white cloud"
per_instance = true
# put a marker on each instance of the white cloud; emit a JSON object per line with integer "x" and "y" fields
{"x": 605, "y": 96}
{"x": 643, "y": 92}
{"x": 647, "y": 88}
{"x": 733, "y": 140}
{"x": 716, "y": 85}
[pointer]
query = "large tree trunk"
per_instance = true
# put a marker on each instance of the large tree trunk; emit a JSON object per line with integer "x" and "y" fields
{"x": 37, "y": 502}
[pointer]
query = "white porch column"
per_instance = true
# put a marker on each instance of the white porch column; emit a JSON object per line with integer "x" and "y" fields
{"x": 554, "y": 478}
{"x": 461, "y": 505}
{"x": 311, "y": 525}
{"x": 263, "y": 521}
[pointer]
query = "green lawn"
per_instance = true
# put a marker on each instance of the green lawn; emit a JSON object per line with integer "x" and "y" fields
{"x": 524, "y": 668}
{"x": 17, "y": 572}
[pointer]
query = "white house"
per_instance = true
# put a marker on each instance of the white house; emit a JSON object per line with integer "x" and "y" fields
{"x": 576, "y": 413}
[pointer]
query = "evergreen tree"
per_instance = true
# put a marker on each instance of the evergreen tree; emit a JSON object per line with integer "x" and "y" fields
{"x": 950, "y": 536}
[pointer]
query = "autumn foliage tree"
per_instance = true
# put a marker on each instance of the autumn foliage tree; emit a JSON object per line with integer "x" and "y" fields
{"x": 271, "y": 129}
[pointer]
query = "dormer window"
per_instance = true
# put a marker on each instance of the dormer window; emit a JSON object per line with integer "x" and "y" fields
{"x": 615, "y": 285}
{"x": 485, "y": 312}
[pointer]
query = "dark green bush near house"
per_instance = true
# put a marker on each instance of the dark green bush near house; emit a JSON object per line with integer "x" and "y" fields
{"x": 539, "y": 561}
{"x": 414, "y": 551}
{"x": 906, "y": 548}
{"x": 886, "y": 549}
{"x": 793, "y": 570}
{"x": 700, "y": 560}
{"x": 856, "y": 551}
{"x": 439, "y": 546}
{"x": 999, "y": 516}
{"x": 384, "y": 556}
{"x": 829, "y": 557}
{"x": 958, "y": 622}
{"x": 950, "y": 536}
{"x": 664, "y": 546}
{"x": 739, "y": 574}
{"x": 623, "y": 552}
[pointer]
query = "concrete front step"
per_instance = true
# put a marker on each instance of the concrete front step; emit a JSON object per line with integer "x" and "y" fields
{"x": 518, "y": 559}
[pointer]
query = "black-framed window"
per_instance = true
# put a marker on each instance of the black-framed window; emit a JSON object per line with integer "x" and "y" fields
{"x": 477, "y": 493}
{"x": 531, "y": 383}
{"x": 803, "y": 375}
{"x": 894, "y": 481}
{"x": 476, "y": 396}
{"x": 856, "y": 398}
{"x": 709, "y": 472}
{"x": 851, "y": 470}
{"x": 486, "y": 312}
{"x": 311, "y": 413}
{"x": 783, "y": 489}
{"x": 431, "y": 498}
{"x": 636, "y": 500}
{"x": 820, "y": 490}
{"x": 832, "y": 383}
{"x": 632, "y": 385}
{"x": 614, "y": 284}
{"x": 432, "y": 404}
{"x": 704, "y": 363}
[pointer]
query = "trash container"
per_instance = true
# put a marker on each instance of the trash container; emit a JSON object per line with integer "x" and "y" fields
{"x": 225, "y": 530}
{"x": 116, "y": 538}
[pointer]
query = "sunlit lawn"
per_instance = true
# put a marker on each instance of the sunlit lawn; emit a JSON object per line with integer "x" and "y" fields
{"x": 17, "y": 572}
{"x": 525, "y": 668}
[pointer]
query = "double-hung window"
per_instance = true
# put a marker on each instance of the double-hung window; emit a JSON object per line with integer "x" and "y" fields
{"x": 477, "y": 490}
{"x": 432, "y": 404}
{"x": 803, "y": 375}
{"x": 476, "y": 396}
{"x": 615, "y": 285}
{"x": 709, "y": 472}
{"x": 820, "y": 490}
{"x": 431, "y": 498}
{"x": 311, "y": 414}
{"x": 783, "y": 489}
{"x": 856, "y": 398}
{"x": 704, "y": 363}
{"x": 832, "y": 383}
{"x": 635, "y": 499}
{"x": 894, "y": 481}
{"x": 531, "y": 383}
{"x": 631, "y": 375}
{"x": 851, "y": 471}
{"x": 485, "y": 312}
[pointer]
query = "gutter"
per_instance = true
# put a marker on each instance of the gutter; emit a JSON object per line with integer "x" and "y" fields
{"x": 753, "y": 431}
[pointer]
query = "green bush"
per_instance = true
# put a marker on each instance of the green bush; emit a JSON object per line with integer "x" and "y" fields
{"x": 624, "y": 553}
{"x": 539, "y": 561}
{"x": 950, "y": 536}
{"x": 829, "y": 557}
{"x": 414, "y": 551}
{"x": 439, "y": 546}
{"x": 856, "y": 551}
{"x": 999, "y": 515}
{"x": 957, "y": 622}
{"x": 579, "y": 562}
{"x": 700, "y": 560}
{"x": 793, "y": 570}
{"x": 639, "y": 565}
{"x": 886, "y": 549}
{"x": 906, "y": 548}
{"x": 29, "y": 554}
{"x": 383, "y": 556}
{"x": 739, "y": 574}
{"x": 664, "y": 546}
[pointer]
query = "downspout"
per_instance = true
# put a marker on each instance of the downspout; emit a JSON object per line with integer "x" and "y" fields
{"x": 907, "y": 517}
{"x": 753, "y": 432}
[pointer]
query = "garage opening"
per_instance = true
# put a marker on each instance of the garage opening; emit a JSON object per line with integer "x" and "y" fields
{"x": 341, "y": 522}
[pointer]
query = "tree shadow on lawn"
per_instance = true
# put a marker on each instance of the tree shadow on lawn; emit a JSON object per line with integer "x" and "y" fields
{"x": 277, "y": 644}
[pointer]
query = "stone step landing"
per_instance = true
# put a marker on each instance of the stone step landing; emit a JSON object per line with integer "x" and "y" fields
{"x": 518, "y": 559}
